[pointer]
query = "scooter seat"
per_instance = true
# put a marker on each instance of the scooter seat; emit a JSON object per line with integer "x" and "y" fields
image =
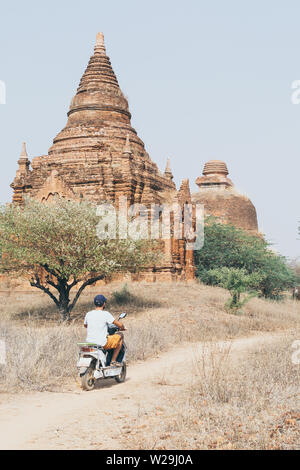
{"x": 94, "y": 345}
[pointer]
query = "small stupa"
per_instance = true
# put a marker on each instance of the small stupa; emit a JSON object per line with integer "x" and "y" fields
{"x": 221, "y": 199}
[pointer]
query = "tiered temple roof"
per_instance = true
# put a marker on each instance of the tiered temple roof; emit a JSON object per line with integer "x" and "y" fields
{"x": 98, "y": 154}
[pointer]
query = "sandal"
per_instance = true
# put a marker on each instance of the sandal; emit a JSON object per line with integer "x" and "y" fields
{"x": 115, "y": 364}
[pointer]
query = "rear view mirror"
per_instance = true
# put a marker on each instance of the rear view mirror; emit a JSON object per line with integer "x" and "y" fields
{"x": 123, "y": 315}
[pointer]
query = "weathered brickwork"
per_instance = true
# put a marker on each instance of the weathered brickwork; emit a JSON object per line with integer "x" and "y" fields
{"x": 99, "y": 156}
{"x": 220, "y": 198}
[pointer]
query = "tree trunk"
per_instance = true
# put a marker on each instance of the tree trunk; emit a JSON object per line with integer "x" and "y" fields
{"x": 64, "y": 301}
{"x": 65, "y": 314}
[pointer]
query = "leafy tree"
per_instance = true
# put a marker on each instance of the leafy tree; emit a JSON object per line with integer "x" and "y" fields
{"x": 236, "y": 281}
{"x": 295, "y": 267}
{"x": 228, "y": 246}
{"x": 57, "y": 248}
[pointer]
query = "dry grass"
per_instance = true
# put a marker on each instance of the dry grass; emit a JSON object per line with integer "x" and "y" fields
{"x": 249, "y": 403}
{"x": 38, "y": 358}
{"x": 41, "y": 354}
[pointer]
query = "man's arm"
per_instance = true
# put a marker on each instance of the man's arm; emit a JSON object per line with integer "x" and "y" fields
{"x": 119, "y": 325}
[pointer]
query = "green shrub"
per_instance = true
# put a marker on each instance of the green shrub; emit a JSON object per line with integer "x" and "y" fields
{"x": 236, "y": 281}
{"x": 229, "y": 247}
{"x": 123, "y": 296}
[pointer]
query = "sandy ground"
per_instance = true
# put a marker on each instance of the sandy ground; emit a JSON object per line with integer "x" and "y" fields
{"x": 102, "y": 418}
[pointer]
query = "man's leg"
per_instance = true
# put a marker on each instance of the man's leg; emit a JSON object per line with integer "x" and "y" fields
{"x": 117, "y": 350}
{"x": 114, "y": 342}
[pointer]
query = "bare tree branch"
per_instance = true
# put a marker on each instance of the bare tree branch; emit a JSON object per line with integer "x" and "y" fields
{"x": 51, "y": 283}
{"x": 36, "y": 283}
{"x": 75, "y": 281}
{"x": 51, "y": 271}
{"x": 82, "y": 287}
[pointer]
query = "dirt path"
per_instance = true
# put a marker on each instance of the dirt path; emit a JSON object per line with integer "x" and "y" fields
{"x": 91, "y": 420}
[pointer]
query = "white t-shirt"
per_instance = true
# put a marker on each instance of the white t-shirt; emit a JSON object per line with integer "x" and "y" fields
{"x": 97, "y": 321}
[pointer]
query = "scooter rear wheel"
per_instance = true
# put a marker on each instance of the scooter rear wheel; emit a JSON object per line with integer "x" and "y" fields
{"x": 122, "y": 376}
{"x": 88, "y": 380}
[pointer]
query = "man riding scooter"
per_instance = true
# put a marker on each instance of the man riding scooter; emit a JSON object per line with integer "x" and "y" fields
{"x": 96, "y": 321}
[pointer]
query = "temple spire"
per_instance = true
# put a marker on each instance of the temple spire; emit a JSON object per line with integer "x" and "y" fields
{"x": 98, "y": 83}
{"x": 184, "y": 193}
{"x": 168, "y": 171}
{"x": 23, "y": 153}
{"x": 100, "y": 45}
{"x": 23, "y": 161}
{"x": 98, "y": 102}
{"x": 215, "y": 167}
{"x": 214, "y": 175}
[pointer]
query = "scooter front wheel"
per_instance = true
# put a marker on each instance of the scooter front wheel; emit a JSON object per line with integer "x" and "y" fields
{"x": 88, "y": 380}
{"x": 122, "y": 376}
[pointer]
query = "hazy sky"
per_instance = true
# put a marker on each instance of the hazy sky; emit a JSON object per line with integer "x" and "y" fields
{"x": 205, "y": 80}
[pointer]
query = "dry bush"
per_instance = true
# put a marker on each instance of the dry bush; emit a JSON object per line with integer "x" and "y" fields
{"x": 43, "y": 358}
{"x": 42, "y": 353}
{"x": 236, "y": 401}
{"x": 38, "y": 358}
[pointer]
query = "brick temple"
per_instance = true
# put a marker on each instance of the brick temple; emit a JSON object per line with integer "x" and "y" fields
{"x": 99, "y": 156}
{"x": 222, "y": 200}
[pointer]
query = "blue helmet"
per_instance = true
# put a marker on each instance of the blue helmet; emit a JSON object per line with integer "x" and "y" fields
{"x": 99, "y": 300}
